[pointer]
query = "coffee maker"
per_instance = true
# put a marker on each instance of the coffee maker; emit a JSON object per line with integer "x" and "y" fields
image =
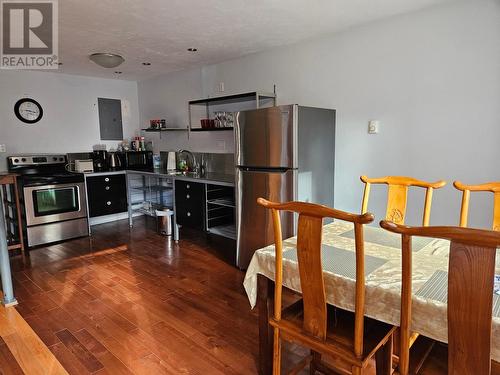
{"x": 100, "y": 160}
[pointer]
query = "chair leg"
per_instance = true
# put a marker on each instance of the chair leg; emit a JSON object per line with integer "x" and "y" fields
{"x": 316, "y": 358}
{"x": 357, "y": 370}
{"x": 276, "y": 352}
{"x": 383, "y": 358}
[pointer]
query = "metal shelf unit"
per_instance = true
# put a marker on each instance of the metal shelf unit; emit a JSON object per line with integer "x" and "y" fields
{"x": 148, "y": 192}
{"x": 220, "y": 208}
{"x": 205, "y": 108}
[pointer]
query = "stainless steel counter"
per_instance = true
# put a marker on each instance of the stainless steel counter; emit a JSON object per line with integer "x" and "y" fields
{"x": 208, "y": 178}
{"x": 92, "y": 174}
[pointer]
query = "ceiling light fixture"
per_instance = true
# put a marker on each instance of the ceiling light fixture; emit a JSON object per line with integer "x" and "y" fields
{"x": 192, "y": 49}
{"x": 146, "y": 63}
{"x": 107, "y": 60}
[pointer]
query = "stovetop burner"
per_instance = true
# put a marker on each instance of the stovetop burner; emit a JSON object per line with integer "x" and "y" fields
{"x": 59, "y": 178}
{"x": 42, "y": 169}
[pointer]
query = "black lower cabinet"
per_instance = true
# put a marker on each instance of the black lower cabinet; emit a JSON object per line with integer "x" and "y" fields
{"x": 106, "y": 194}
{"x": 190, "y": 204}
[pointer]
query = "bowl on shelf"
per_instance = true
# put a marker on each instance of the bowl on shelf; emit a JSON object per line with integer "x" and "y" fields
{"x": 207, "y": 123}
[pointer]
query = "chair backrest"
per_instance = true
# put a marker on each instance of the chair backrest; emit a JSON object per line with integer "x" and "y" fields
{"x": 309, "y": 236}
{"x": 397, "y": 196}
{"x": 493, "y": 187}
{"x": 471, "y": 271}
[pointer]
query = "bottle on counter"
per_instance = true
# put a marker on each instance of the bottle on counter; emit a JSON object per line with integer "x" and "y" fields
{"x": 156, "y": 161}
{"x": 136, "y": 144}
{"x": 142, "y": 144}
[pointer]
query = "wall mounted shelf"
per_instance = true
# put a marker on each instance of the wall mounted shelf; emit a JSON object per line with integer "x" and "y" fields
{"x": 206, "y": 108}
{"x": 160, "y": 131}
{"x": 164, "y": 130}
{"x": 210, "y": 129}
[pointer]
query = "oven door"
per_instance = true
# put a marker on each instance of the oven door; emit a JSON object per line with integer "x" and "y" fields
{"x": 52, "y": 203}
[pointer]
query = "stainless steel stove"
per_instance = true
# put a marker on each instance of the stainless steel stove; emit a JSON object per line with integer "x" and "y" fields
{"x": 53, "y": 199}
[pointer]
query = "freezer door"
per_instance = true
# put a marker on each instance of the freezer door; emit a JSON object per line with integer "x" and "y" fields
{"x": 267, "y": 137}
{"x": 253, "y": 222}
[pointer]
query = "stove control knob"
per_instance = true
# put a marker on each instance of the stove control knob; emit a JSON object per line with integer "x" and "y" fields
{"x": 54, "y": 158}
{"x": 61, "y": 159}
{"x": 16, "y": 160}
{"x": 107, "y": 188}
{"x": 23, "y": 159}
{"x": 108, "y": 203}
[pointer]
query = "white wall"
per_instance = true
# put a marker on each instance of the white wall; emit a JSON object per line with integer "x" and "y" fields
{"x": 432, "y": 78}
{"x": 70, "y": 121}
{"x": 167, "y": 97}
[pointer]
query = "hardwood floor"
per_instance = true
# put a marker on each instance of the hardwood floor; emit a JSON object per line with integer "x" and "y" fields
{"x": 21, "y": 350}
{"x": 133, "y": 302}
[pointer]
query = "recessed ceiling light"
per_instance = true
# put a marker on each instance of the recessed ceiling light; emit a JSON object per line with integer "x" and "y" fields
{"x": 192, "y": 49}
{"x": 107, "y": 60}
{"x": 118, "y": 72}
{"x": 146, "y": 63}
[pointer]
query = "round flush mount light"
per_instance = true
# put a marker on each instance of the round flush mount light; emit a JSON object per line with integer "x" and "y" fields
{"x": 192, "y": 49}
{"x": 107, "y": 60}
{"x": 146, "y": 63}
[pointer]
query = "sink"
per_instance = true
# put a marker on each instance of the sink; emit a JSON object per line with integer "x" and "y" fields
{"x": 182, "y": 173}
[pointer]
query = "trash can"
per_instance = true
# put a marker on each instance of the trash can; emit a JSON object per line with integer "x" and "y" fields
{"x": 164, "y": 221}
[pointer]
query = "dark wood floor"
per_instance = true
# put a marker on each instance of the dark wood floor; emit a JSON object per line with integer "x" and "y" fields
{"x": 130, "y": 301}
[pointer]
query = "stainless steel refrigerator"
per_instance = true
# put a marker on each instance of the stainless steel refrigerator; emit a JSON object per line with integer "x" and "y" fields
{"x": 283, "y": 153}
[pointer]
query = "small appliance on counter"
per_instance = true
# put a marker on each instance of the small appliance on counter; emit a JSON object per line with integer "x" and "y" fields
{"x": 171, "y": 163}
{"x": 84, "y": 166}
{"x": 138, "y": 160}
{"x": 114, "y": 162}
{"x": 100, "y": 159}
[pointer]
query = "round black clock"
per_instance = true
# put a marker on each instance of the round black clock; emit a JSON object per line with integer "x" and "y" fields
{"x": 28, "y": 110}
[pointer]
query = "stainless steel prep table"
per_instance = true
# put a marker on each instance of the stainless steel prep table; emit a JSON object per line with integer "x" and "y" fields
{"x": 166, "y": 182}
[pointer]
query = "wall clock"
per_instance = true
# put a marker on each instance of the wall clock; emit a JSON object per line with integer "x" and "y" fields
{"x": 28, "y": 110}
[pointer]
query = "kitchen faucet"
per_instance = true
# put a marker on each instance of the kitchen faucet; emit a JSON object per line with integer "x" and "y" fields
{"x": 194, "y": 165}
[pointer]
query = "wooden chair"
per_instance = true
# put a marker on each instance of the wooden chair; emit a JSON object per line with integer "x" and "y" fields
{"x": 397, "y": 196}
{"x": 350, "y": 338}
{"x": 493, "y": 187}
{"x": 470, "y": 298}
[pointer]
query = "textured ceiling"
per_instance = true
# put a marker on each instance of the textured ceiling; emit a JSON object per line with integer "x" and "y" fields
{"x": 160, "y": 31}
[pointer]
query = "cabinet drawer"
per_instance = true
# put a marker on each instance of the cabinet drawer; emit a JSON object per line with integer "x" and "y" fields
{"x": 106, "y": 195}
{"x": 189, "y": 217}
{"x": 188, "y": 187}
{"x": 107, "y": 180}
{"x": 190, "y": 204}
{"x": 107, "y": 205}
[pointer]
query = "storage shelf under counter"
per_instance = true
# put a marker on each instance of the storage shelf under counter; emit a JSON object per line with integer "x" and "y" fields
{"x": 220, "y": 208}
{"x": 149, "y": 191}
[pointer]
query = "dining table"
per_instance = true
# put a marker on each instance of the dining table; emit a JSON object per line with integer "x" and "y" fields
{"x": 382, "y": 280}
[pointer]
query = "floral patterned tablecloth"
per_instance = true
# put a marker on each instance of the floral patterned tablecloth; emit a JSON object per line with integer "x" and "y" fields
{"x": 383, "y": 285}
